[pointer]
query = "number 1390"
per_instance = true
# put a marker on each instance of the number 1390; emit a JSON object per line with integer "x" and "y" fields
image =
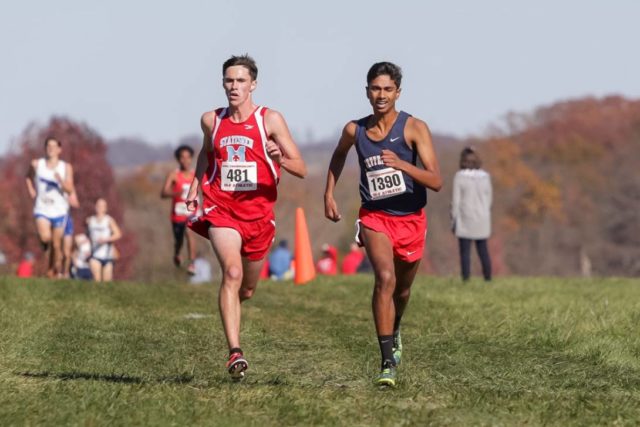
{"x": 381, "y": 183}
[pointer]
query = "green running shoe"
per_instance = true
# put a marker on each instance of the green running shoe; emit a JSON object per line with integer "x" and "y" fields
{"x": 387, "y": 377}
{"x": 397, "y": 348}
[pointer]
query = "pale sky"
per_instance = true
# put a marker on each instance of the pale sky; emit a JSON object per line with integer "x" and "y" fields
{"x": 150, "y": 68}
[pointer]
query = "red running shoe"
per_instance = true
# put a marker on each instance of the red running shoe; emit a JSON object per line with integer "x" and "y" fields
{"x": 236, "y": 365}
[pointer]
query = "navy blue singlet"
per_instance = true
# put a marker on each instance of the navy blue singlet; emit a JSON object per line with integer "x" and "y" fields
{"x": 382, "y": 188}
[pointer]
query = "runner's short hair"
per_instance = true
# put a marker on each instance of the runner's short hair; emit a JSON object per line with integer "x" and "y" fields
{"x": 385, "y": 69}
{"x": 244, "y": 60}
{"x": 51, "y": 138}
{"x": 469, "y": 159}
{"x": 180, "y": 149}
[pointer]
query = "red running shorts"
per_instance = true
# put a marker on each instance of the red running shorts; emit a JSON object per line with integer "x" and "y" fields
{"x": 257, "y": 236}
{"x": 407, "y": 233}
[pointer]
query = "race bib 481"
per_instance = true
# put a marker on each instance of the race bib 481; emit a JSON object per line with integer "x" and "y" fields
{"x": 239, "y": 176}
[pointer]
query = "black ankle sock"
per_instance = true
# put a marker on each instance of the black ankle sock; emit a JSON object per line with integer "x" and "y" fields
{"x": 386, "y": 348}
{"x": 235, "y": 350}
{"x": 396, "y": 325}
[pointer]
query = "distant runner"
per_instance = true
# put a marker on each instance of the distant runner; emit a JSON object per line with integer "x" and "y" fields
{"x": 103, "y": 231}
{"x": 176, "y": 186}
{"x": 49, "y": 182}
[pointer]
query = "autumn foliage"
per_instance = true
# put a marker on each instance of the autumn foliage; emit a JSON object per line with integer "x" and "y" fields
{"x": 93, "y": 177}
{"x": 566, "y": 194}
{"x": 568, "y": 190}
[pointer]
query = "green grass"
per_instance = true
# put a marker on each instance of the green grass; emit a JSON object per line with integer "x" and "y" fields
{"x": 518, "y": 351}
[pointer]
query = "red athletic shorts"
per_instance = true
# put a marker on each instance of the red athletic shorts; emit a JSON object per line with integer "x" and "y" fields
{"x": 407, "y": 233}
{"x": 257, "y": 236}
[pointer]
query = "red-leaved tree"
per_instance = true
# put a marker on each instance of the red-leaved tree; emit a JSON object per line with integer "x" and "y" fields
{"x": 93, "y": 177}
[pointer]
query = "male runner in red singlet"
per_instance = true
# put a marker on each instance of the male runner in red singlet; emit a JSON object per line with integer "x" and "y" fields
{"x": 244, "y": 147}
{"x": 392, "y": 223}
{"x": 176, "y": 186}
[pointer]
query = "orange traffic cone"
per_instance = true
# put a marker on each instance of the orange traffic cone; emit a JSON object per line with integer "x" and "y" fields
{"x": 305, "y": 270}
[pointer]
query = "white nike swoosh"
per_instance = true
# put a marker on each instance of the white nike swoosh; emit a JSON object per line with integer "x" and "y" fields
{"x": 394, "y": 139}
{"x": 247, "y": 127}
{"x": 411, "y": 253}
{"x": 207, "y": 210}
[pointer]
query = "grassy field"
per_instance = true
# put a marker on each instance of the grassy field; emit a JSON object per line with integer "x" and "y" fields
{"x": 518, "y": 351}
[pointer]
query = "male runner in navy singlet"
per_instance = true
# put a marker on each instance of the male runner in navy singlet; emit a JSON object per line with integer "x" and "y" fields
{"x": 392, "y": 224}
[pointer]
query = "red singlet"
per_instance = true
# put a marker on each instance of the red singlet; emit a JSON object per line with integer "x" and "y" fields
{"x": 181, "y": 184}
{"x": 241, "y": 180}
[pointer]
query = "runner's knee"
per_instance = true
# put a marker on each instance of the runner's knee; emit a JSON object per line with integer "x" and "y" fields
{"x": 45, "y": 238}
{"x": 233, "y": 273}
{"x": 246, "y": 294}
{"x": 385, "y": 281}
{"x": 403, "y": 293}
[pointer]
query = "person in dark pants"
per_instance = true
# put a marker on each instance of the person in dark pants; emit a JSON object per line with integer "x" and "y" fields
{"x": 471, "y": 211}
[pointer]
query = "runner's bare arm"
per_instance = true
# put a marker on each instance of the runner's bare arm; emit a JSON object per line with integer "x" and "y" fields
{"x": 67, "y": 183}
{"x": 284, "y": 151}
{"x": 73, "y": 200}
{"x": 166, "y": 192}
{"x": 31, "y": 173}
{"x": 418, "y": 134}
{"x": 335, "y": 170}
{"x": 207, "y": 122}
{"x": 116, "y": 234}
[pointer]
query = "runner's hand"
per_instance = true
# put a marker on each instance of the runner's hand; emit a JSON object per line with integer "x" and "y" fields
{"x": 331, "y": 209}
{"x": 391, "y": 159}
{"x": 192, "y": 204}
{"x": 274, "y": 152}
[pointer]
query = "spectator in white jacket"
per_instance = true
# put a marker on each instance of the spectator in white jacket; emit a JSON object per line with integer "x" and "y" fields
{"x": 471, "y": 211}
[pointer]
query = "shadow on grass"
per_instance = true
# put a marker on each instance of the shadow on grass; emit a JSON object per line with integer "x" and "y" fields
{"x": 112, "y": 378}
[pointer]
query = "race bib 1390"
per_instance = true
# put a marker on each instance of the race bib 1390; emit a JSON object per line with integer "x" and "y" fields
{"x": 385, "y": 183}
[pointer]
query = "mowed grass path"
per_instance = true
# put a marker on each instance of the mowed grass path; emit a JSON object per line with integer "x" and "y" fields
{"x": 517, "y": 351}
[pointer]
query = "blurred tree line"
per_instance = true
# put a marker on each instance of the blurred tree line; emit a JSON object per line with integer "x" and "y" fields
{"x": 568, "y": 188}
{"x": 566, "y": 194}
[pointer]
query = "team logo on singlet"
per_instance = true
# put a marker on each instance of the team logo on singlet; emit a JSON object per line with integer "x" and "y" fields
{"x": 236, "y": 154}
{"x": 237, "y": 174}
{"x": 50, "y": 185}
{"x": 236, "y": 140}
{"x": 372, "y": 161}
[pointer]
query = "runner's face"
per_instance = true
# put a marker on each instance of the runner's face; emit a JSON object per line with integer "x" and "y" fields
{"x": 53, "y": 150}
{"x": 383, "y": 93}
{"x": 238, "y": 85}
{"x": 185, "y": 159}
{"x": 101, "y": 207}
